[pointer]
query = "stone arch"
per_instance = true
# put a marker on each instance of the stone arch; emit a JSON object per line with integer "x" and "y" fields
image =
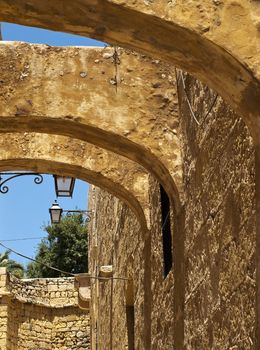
{"x": 194, "y": 37}
{"x": 71, "y": 92}
{"x": 65, "y": 156}
{"x": 217, "y": 41}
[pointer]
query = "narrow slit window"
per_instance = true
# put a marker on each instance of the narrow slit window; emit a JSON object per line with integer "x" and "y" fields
{"x": 166, "y": 231}
{"x": 130, "y": 315}
{"x": 130, "y": 320}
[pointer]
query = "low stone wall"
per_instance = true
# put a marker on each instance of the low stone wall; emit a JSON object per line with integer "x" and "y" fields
{"x": 41, "y": 314}
{"x": 71, "y": 330}
{"x": 49, "y": 292}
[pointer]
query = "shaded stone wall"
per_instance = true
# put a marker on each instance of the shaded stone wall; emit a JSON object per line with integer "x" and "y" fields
{"x": 108, "y": 298}
{"x": 162, "y": 288}
{"x": 220, "y": 227}
{"x": 115, "y": 239}
{"x": 41, "y": 314}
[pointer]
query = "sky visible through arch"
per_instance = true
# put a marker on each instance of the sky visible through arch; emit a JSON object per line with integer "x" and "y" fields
{"x": 24, "y": 210}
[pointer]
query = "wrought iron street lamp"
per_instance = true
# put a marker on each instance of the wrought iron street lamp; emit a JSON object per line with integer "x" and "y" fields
{"x": 56, "y": 213}
{"x": 64, "y": 185}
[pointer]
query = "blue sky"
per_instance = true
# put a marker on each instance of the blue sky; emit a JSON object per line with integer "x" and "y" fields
{"x": 24, "y": 209}
{"x": 14, "y": 32}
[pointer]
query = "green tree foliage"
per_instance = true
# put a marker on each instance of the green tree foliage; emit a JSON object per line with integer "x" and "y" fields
{"x": 65, "y": 248}
{"x": 12, "y": 266}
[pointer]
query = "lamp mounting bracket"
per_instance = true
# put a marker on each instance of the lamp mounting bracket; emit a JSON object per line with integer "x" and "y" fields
{"x": 38, "y": 179}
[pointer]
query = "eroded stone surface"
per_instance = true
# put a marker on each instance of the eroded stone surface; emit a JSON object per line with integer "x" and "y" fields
{"x": 220, "y": 226}
{"x": 44, "y": 90}
{"x": 208, "y": 300}
{"x": 218, "y": 41}
{"x": 41, "y": 314}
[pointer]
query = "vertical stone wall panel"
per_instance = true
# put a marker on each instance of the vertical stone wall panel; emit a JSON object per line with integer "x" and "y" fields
{"x": 220, "y": 226}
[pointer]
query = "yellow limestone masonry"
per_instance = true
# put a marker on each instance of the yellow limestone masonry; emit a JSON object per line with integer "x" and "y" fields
{"x": 41, "y": 314}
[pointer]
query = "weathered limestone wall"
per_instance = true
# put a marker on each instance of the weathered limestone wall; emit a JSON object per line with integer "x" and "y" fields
{"x": 48, "y": 292}
{"x": 219, "y": 283}
{"x": 3, "y": 309}
{"x": 70, "y": 329}
{"x": 105, "y": 228}
{"x": 220, "y": 227}
{"x": 36, "y": 327}
{"x": 162, "y": 289}
{"x": 116, "y": 239}
{"x": 41, "y": 314}
{"x": 29, "y": 326}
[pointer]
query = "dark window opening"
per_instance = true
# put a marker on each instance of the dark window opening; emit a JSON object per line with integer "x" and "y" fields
{"x": 166, "y": 231}
{"x": 130, "y": 321}
{"x": 130, "y": 315}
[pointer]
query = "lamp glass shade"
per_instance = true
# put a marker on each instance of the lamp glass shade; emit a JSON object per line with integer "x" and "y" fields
{"x": 55, "y": 213}
{"x": 64, "y": 186}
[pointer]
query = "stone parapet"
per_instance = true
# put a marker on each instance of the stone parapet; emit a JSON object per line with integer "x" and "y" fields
{"x": 42, "y": 314}
{"x": 48, "y": 292}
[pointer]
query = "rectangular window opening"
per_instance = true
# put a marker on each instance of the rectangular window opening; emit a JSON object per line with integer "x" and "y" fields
{"x": 166, "y": 231}
{"x": 130, "y": 320}
{"x": 130, "y": 314}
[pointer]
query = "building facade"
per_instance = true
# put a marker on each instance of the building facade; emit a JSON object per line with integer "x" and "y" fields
{"x": 201, "y": 293}
{"x": 179, "y": 229}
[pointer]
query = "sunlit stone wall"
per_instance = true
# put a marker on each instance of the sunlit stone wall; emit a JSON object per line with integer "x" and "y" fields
{"x": 41, "y": 314}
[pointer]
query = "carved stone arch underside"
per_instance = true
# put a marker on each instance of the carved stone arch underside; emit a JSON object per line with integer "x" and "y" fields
{"x": 76, "y": 92}
{"x": 195, "y": 38}
{"x": 65, "y": 156}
